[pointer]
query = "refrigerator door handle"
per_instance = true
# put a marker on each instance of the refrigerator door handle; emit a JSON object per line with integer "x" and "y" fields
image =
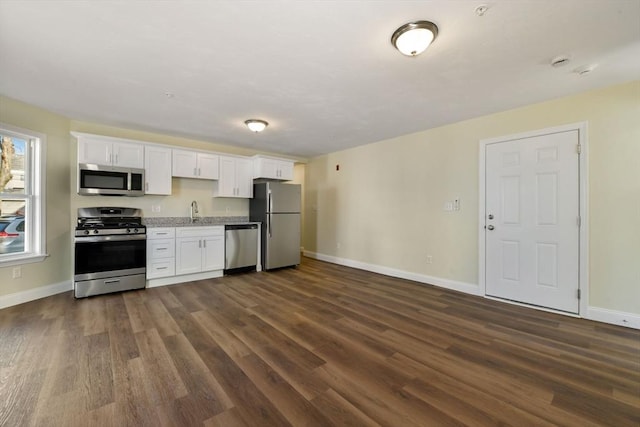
{"x": 269, "y": 203}
{"x": 269, "y": 224}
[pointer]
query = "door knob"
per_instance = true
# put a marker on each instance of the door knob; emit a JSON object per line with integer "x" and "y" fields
{"x": 491, "y": 227}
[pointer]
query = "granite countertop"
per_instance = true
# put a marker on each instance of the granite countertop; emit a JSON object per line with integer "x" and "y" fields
{"x": 185, "y": 221}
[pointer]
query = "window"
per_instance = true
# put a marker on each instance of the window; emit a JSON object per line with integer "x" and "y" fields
{"x": 22, "y": 237}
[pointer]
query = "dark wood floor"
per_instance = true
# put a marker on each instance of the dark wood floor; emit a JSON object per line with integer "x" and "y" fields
{"x": 319, "y": 345}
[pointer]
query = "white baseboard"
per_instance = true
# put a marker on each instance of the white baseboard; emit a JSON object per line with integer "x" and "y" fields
{"x": 594, "y": 313}
{"x": 172, "y": 280}
{"x": 614, "y": 317}
{"x": 468, "y": 288}
{"x": 34, "y": 294}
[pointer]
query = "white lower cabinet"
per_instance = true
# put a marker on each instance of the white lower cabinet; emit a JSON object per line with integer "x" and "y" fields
{"x": 199, "y": 249}
{"x": 161, "y": 260}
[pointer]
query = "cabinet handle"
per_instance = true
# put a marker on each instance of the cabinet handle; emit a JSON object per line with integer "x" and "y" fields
{"x": 199, "y": 172}
{"x": 195, "y": 171}
{"x": 162, "y": 234}
{"x": 161, "y": 249}
{"x": 204, "y": 243}
{"x": 146, "y": 186}
{"x": 161, "y": 268}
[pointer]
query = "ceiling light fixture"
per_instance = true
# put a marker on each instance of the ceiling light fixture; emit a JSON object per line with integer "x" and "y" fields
{"x": 256, "y": 125}
{"x": 415, "y": 37}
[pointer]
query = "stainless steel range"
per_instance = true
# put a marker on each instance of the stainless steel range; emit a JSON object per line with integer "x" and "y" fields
{"x": 110, "y": 251}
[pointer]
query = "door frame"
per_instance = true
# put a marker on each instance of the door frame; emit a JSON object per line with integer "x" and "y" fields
{"x": 583, "y": 248}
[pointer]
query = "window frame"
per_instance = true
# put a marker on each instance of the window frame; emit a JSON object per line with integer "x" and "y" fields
{"x": 35, "y": 210}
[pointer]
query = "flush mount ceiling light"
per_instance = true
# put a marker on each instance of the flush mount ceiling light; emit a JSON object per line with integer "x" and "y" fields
{"x": 256, "y": 125}
{"x": 415, "y": 37}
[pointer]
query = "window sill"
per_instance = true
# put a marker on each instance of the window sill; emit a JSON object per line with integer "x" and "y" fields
{"x": 21, "y": 259}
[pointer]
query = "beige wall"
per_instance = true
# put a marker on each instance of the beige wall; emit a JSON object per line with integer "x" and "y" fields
{"x": 57, "y": 267}
{"x": 385, "y": 204}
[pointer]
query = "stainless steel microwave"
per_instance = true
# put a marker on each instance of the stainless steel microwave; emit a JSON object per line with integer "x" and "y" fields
{"x": 110, "y": 180}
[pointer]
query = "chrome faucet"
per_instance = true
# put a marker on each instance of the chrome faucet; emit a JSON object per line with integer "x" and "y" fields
{"x": 194, "y": 211}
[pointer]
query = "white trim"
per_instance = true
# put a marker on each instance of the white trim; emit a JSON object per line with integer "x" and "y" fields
{"x": 534, "y": 307}
{"x": 614, "y": 317}
{"x": 34, "y": 294}
{"x": 468, "y": 288}
{"x": 581, "y": 127}
{"x": 172, "y": 280}
{"x": 597, "y": 314}
{"x": 22, "y": 259}
{"x": 37, "y": 219}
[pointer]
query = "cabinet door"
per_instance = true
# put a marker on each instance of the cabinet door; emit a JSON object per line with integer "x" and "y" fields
{"x": 213, "y": 253}
{"x": 244, "y": 178}
{"x": 188, "y": 255}
{"x": 285, "y": 170}
{"x": 227, "y": 179}
{"x": 208, "y": 166}
{"x": 267, "y": 168}
{"x": 157, "y": 170}
{"x": 128, "y": 155}
{"x": 94, "y": 151}
{"x": 184, "y": 163}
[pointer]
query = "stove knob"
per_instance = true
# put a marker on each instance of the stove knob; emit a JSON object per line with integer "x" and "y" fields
{"x": 128, "y": 230}
{"x": 135, "y": 230}
{"x": 86, "y": 231}
{"x": 95, "y": 231}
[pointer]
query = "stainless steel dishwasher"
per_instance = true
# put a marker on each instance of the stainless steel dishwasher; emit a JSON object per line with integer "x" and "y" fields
{"x": 241, "y": 247}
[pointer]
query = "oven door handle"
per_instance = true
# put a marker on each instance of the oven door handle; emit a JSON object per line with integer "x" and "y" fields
{"x": 114, "y": 238}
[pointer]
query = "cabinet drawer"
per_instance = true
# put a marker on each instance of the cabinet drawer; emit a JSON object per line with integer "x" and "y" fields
{"x": 161, "y": 268}
{"x": 161, "y": 248}
{"x": 217, "y": 230}
{"x": 161, "y": 233}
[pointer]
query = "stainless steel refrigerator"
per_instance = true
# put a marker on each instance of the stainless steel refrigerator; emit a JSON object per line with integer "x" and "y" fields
{"x": 277, "y": 207}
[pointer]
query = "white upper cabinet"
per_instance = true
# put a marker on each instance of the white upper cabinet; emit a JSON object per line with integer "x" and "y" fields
{"x": 157, "y": 170}
{"x": 193, "y": 164}
{"x": 109, "y": 151}
{"x": 272, "y": 168}
{"x": 235, "y": 178}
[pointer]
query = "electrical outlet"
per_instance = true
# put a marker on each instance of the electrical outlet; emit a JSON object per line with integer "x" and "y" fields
{"x": 456, "y": 204}
{"x": 429, "y": 259}
{"x": 17, "y": 272}
{"x": 155, "y": 208}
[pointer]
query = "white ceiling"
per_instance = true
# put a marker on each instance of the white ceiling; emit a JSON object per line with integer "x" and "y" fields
{"x": 322, "y": 73}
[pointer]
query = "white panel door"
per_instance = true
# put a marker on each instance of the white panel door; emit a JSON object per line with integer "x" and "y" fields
{"x": 532, "y": 230}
